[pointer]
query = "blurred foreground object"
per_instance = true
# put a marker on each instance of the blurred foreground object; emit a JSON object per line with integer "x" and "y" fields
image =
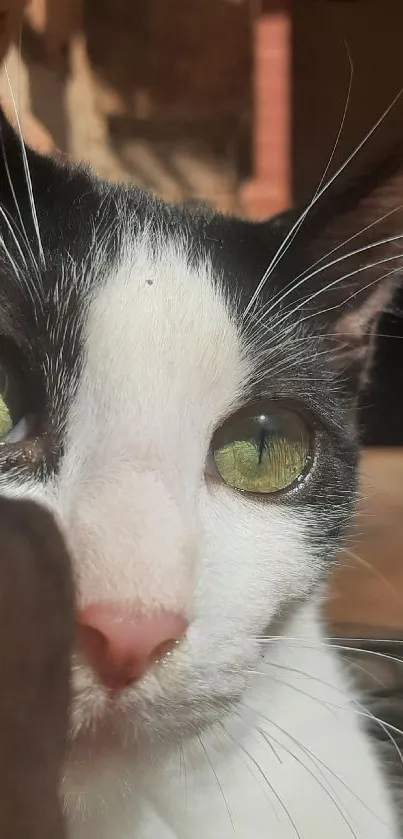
{"x": 36, "y": 638}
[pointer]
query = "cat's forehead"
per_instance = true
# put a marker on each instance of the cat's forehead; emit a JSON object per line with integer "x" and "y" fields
{"x": 160, "y": 333}
{"x": 139, "y": 305}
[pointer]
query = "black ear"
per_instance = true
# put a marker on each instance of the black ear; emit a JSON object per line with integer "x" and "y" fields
{"x": 12, "y": 146}
{"x": 16, "y": 136}
{"x": 25, "y": 178}
{"x": 46, "y": 203}
{"x": 348, "y": 260}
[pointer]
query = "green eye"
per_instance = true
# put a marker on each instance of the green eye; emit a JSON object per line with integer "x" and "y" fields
{"x": 10, "y": 408}
{"x": 6, "y": 422}
{"x": 265, "y": 453}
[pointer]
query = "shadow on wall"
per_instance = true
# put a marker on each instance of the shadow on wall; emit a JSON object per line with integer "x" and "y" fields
{"x": 172, "y": 77}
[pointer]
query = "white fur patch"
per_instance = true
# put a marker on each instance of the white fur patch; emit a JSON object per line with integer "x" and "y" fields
{"x": 162, "y": 364}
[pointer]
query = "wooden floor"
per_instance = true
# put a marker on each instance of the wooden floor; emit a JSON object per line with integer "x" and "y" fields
{"x": 366, "y": 595}
{"x": 365, "y": 608}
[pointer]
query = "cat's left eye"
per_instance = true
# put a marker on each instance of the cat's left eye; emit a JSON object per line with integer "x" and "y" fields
{"x": 263, "y": 453}
{"x": 12, "y": 425}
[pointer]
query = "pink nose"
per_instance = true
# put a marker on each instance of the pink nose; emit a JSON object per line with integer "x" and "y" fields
{"x": 121, "y": 644}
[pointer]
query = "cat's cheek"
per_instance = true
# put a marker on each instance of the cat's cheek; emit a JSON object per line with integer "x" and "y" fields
{"x": 256, "y": 557}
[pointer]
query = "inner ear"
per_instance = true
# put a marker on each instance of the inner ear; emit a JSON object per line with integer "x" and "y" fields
{"x": 354, "y": 333}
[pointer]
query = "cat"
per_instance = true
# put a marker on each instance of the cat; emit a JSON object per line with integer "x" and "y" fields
{"x": 35, "y": 581}
{"x": 179, "y": 388}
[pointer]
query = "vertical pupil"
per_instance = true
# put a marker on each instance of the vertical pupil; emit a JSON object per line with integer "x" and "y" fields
{"x": 261, "y": 441}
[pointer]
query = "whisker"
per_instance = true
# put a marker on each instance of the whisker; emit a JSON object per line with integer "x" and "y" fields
{"x": 318, "y": 759}
{"x": 367, "y": 673}
{"x": 218, "y": 781}
{"x": 10, "y": 259}
{"x": 23, "y": 231}
{"x": 269, "y": 784}
{"x": 364, "y": 564}
{"x": 10, "y": 227}
{"x": 362, "y": 709}
{"x": 303, "y": 643}
{"x": 333, "y": 284}
{"x": 327, "y": 640}
{"x": 276, "y": 303}
{"x": 26, "y": 169}
{"x": 246, "y": 764}
{"x": 351, "y": 296}
{"x": 302, "y": 275}
{"x": 182, "y": 770}
{"x": 349, "y": 239}
{"x": 316, "y": 198}
{"x": 330, "y": 793}
{"x": 343, "y": 120}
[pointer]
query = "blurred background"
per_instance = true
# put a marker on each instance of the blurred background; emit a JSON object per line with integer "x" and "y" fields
{"x": 238, "y": 103}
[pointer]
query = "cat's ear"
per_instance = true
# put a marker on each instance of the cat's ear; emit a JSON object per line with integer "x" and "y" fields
{"x": 26, "y": 180}
{"x": 11, "y": 133}
{"x": 36, "y": 188}
{"x": 350, "y": 261}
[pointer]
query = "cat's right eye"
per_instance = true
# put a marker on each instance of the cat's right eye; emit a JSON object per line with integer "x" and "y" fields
{"x": 263, "y": 453}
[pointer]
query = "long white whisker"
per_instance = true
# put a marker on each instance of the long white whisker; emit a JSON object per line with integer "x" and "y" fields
{"x": 349, "y": 239}
{"x": 315, "y": 757}
{"x": 363, "y": 710}
{"x": 367, "y": 565}
{"x": 34, "y": 292}
{"x": 328, "y": 640}
{"x": 26, "y": 169}
{"x": 330, "y": 793}
{"x": 324, "y": 644}
{"x": 25, "y": 276}
{"x": 336, "y": 282}
{"x": 10, "y": 259}
{"x": 17, "y": 206}
{"x": 246, "y": 764}
{"x": 350, "y": 297}
{"x": 182, "y": 771}
{"x": 13, "y": 234}
{"x": 343, "y": 120}
{"x": 289, "y": 240}
{"x": 265, "y": 778}
{"x": 217, "y": 780}
{"x": 386, "y": 241}
{"x": 316, "y": 198}
{"x": 368, "y": 673}
{"x": 291, "y": 285}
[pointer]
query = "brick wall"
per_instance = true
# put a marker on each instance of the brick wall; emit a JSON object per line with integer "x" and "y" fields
{"x": 209, "y": 76}
{"x": 269, "y": 191}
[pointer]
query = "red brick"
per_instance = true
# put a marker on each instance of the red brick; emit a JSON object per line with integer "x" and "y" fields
{"x": 271, "y": 186}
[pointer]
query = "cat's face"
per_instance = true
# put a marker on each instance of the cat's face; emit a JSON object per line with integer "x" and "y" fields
{"x": 198, "y": 452}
